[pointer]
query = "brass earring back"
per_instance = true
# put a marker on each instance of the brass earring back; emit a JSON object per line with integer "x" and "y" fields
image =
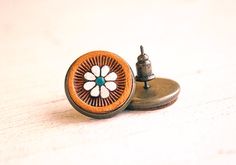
{"x": 152, "y": 93}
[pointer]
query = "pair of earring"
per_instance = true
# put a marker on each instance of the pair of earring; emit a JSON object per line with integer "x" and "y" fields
{"x": 100, "y": 84}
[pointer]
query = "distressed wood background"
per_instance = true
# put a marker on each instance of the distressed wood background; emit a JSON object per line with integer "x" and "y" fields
{"x": 192, "y": 42}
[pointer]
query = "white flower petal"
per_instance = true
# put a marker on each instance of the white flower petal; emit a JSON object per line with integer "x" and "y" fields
{"x": 89, "y": 76}
{"x": 111, "y": 86}
{"x": 89, "y": 85}
{"x": 111, "y": 76}
{"x": 96, "y": 70}
{"x": 105, "y": 69}
{"x": 95, "y": 91}
{"x": 104, "y": 92}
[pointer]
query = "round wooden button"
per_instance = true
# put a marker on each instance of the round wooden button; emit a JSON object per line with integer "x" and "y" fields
{"x": 99, "y": 84}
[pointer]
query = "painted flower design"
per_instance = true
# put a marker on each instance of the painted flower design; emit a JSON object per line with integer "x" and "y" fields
{"x": 100, "y": 81}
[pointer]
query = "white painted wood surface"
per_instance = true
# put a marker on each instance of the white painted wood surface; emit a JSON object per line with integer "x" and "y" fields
{"x": 192, "y": 42}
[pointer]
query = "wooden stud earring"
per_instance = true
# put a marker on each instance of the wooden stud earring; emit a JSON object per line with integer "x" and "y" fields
{"x": 99, "y": 84}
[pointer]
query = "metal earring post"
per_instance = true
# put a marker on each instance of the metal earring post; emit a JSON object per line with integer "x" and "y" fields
{"x": 146, "y": 85}
{"x": 144, "y": 69}
{"x": 151, "y": 92}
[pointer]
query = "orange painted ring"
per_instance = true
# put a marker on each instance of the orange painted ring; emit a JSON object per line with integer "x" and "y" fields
{"x": 98, "y": 107}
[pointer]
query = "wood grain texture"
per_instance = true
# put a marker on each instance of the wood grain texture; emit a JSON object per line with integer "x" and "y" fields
{"x": 192, "y": 42}
{"x": 124, "y": 81}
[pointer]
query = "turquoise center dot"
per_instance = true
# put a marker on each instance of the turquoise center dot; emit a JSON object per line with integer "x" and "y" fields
{"x": 100, "y": 81}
